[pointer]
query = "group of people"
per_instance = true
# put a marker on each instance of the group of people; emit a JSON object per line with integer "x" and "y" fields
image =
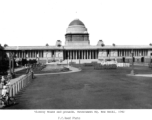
{"x": 5, "y": 83}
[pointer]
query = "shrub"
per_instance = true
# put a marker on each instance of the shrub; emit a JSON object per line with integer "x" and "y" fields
{"x": 100, "y": 67}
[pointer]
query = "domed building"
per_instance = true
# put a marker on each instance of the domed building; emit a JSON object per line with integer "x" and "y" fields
{"x": 77, "y": 47}
{"x": 76, "y": 34}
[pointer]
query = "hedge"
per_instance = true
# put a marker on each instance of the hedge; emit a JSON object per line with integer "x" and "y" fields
{"x": 100, "y": 67}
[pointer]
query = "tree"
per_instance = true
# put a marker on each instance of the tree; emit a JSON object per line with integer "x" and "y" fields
{"x": 102, "y": 44}
{"x": 47, "y": 44}
{"x": 113, "y": 44}
{"x": 150, "y": 44}
{"x": 4, "y": 63}
{"x": 5, "y": 45}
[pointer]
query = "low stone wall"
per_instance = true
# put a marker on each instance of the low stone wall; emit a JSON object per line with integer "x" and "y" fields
{"x": 18, "y": 84}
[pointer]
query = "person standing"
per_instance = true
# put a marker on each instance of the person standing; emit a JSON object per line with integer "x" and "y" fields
{"x": 3, "y": 81}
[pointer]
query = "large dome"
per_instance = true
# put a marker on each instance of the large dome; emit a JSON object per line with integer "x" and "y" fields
{"x": 76, "y": 22}
{"x": 76, "y": 26}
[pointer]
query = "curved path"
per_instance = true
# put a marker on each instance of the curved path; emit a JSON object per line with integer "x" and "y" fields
{"x": 141, "y": 75}
{"x": 72, "y": 69}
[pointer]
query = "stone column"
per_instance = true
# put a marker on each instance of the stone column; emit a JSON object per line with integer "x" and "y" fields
{"x": 68, "y": 55}
{"x": 21, "y": 54}
{"x": 95, "y": 54}
{"x": 40, "y": 54}
{"x": 29, "y": 54}
{"x": 142, "y": 53}
{"x": 32, "y": 53}
{"x": 75, "y": 54}
{"x": 35, "y": 54}
{"x": 83, "y": 55}
{"x": 92, "y": 54}
{"x": 120, "y": 53}
{"x": 124, "y": 53}
{"x": 135, "y": 52}
{"x": 24, "y": 54}
{"x": 86, "y": 54}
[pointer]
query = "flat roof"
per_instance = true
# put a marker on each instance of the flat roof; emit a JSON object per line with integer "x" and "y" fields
{"x": 77, "y": 47}
{"x": 33, "y": 48}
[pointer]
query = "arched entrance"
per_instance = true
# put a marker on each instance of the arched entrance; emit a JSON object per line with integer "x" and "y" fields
{"x": 142, "y": 59}
{"x": 123, "y": 59}
{"x": 133, "y": 59}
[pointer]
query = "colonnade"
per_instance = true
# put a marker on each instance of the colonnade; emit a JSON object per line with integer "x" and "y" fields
{"x": 28, "y": 53}
{"x": 81, "y": 54}
{"x": 136, "y": 52}
{"x": 78, "y": 54}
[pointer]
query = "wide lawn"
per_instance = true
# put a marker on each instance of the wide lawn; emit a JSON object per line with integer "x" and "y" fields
{"x": 88, "y": 89}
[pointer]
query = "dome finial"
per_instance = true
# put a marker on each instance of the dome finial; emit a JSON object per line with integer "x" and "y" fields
{"x": 76, "y": 16}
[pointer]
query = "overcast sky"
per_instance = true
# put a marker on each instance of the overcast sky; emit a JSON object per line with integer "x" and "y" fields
{"x": 37, "y": 22}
